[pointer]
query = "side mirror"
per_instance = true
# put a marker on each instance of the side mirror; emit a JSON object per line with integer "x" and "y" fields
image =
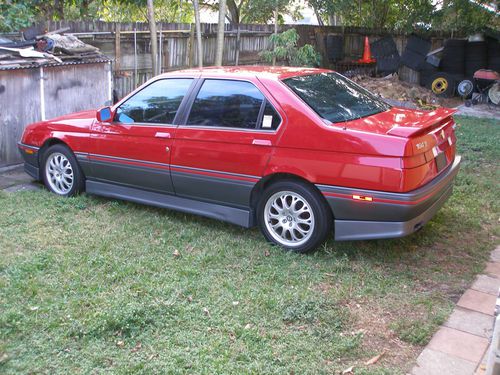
{"x": 104, "y": 114}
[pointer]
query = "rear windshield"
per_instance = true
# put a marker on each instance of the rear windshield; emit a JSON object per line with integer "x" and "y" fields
{"x": 334, "y": 97}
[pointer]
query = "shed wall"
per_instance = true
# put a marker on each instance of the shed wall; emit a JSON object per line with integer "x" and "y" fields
{"x": 67, "y": 89}
{"x": 19, "y": 105}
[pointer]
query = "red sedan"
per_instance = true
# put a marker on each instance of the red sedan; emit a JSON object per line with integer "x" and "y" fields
{"x": 299, "y": 152}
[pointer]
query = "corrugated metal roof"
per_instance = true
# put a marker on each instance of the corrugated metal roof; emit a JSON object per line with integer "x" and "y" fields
{"x": 103, "y": 59}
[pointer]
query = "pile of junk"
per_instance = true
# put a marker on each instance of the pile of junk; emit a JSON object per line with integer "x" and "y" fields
{"x": 468, "y": 68}
{"x": 40, "y": 47}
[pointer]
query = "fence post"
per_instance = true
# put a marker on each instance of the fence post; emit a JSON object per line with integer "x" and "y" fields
{"x": 190, "y": 55}
{"x": 117, "y": 47}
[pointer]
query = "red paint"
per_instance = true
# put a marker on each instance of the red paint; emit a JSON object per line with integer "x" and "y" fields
{"x": 390, "y": 151}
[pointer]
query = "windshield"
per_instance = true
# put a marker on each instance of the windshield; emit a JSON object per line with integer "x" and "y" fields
{"x": 334, "y": 97}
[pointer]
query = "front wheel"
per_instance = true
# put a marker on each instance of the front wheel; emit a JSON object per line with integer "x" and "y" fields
{"x": 61, "y": 173}
{"x": 293, "y": 215}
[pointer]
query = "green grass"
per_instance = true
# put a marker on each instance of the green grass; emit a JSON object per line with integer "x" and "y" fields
{"x": 90, "y": 285}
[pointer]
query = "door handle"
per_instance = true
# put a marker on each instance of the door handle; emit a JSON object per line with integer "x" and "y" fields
{"x": 262, "y": 142}
{"x": 162, "y": 135}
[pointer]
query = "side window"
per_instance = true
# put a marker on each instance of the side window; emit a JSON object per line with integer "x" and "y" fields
{"x": 270, "y": 120}
{"x": 226, "y": 103}
{"x": 156, "y": 103}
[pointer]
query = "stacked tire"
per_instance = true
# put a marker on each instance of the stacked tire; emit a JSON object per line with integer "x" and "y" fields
{"x": 386, "y": 53}
{"x": 453, "y": 59}
{"x": 493, "y": 54}
{"x": 335, "y": 47}
{"x": 476, "y": 57}
{"x": 415, "y": 52}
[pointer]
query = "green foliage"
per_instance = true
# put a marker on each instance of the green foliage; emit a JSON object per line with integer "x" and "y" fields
{"x": 403, "y": 15}
{"x": 135, "y": 10}
{"x": 15, "y": 15}
{"x": 286, "y": 49}
{"x": 465, "y": 16}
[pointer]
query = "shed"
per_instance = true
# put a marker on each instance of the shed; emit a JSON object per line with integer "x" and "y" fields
{"x": 30, "y": 93}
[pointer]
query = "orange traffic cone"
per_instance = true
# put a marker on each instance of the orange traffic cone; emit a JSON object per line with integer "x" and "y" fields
{"x": 367, "y": 55}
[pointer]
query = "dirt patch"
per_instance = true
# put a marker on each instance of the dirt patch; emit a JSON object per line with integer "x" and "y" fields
{"x": 390, "y": 87}
{"x": 373, "y": 322}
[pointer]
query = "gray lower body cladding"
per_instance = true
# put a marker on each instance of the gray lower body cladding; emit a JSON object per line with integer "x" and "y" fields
{"x": 388, "y": 215}
{"x": 232, "y": 215}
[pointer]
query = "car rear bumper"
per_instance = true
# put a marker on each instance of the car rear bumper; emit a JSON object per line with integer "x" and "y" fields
{"x": 30, "y": 156}
{"x": 387, "y": 215}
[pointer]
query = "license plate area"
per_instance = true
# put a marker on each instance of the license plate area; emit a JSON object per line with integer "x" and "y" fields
{"x": 440, "y": 161}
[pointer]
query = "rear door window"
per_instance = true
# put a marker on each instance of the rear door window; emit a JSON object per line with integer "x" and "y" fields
{"x": 155, "y": 104}
{"x": 227, "y": 103}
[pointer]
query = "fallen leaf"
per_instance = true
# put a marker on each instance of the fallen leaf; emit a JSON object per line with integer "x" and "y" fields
{"x": 348, "y": 371}
{"x": 176, "y": 253}
{"x": 375, "y": 359}
{"x": 137, "y": 347}
{"x": 248, "y": 326}
{"x": 120, "y": 344}
{"x": 206, "y": 311}
{"x": 267, "y": 253}
{"x": 152, "y": 356}
{"x": 34, "y": 308}
{"x": 190, "y": 298}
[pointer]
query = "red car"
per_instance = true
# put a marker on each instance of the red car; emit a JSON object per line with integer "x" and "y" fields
{"x": 299, "y": 152}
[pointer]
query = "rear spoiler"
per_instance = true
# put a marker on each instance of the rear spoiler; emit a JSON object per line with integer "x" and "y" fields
{"x": 427, "y": 121}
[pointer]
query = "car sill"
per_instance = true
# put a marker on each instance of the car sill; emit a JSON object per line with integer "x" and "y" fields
{"x": 231, "y": 215}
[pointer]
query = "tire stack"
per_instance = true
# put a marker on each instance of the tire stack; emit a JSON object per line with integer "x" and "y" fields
{"x": 443, "y": 82}
{"x": 493, "y": 54}
{"x": 334, "y": 47}
{"x": 427, "y": 71}
{"x": 415, "y": 52}
{"x": 386, "y": 53}
{"x": 453, "y": 59}
{"x": 476, "y": 57}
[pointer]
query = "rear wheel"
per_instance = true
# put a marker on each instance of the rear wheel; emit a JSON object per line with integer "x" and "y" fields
{"x": 293, "y": 215}
{"x": 61, "y": 172}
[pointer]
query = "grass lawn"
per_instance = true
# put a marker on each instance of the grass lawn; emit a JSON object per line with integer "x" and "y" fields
{"x": 91, "y": 285}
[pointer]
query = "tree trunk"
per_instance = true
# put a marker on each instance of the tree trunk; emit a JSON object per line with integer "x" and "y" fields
{"x": 196, "y": 5}
{"x": 152, "y": 30}
{"x": 275, "y": 32}
{"x": 220, "y": 33}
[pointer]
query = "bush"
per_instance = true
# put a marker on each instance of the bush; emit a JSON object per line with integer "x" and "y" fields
{"x": 286, "y": 49}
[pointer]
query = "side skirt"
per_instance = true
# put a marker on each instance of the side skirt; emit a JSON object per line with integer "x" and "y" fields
{"x": 232, "y": 215}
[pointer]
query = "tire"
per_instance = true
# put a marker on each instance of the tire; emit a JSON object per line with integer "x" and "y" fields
{"x": 442, "y": 84}
{"x": 412, "y": 59}
{"x": 316, "y": 214}
{"x": 384, "y": 47}
{"x": 335, "y": 47}
{"x": 418, "y": 45}
{"x": 61, "y": 173}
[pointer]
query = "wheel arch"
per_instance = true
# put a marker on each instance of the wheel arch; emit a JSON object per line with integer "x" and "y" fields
{"x": 49, "y": 142}
{"x": 268, "y": 180}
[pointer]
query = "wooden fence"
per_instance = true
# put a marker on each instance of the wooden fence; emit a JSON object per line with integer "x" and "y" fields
{"x": 128, "y": 45}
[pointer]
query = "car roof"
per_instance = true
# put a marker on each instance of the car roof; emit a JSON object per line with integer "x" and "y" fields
{"x": 247, "y": 71}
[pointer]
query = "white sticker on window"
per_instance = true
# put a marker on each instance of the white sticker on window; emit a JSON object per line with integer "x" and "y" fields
{"x": 267, "y": 121}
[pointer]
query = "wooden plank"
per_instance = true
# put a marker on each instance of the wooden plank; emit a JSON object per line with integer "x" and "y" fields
{"x": 117, "y": 47}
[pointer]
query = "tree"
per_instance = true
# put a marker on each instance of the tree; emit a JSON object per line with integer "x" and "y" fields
{"x": 220, "y": 33}
{"x": 198, "y": 32}
{"x": 152, "y": 30}
{"x": 400, "y": 15}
